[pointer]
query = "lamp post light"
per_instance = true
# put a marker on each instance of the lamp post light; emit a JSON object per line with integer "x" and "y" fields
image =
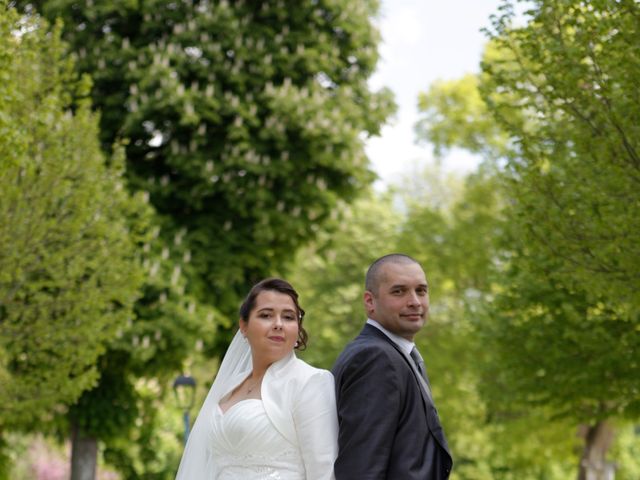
{"x": 184, "y": 388}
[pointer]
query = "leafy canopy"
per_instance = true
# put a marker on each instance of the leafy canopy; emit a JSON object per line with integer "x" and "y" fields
{"x": 69, "y": 272}
{"x": 245, "y": 124}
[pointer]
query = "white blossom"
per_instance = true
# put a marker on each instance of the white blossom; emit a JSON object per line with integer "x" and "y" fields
{"x": 175, "y": 275}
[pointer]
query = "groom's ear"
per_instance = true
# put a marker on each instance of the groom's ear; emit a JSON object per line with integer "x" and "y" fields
{"x": 368, "y": 302}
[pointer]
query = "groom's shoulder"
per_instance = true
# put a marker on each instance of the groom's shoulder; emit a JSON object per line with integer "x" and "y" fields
{"x": 367, "y": 345}
{"x": 370, "y": 338}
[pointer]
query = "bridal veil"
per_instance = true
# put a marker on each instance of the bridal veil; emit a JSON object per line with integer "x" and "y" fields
{"x": 196, "y": 459}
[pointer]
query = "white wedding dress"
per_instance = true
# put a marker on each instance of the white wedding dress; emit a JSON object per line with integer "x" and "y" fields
{"x": 247, "y": 446}
{"x": 291, "y": 434}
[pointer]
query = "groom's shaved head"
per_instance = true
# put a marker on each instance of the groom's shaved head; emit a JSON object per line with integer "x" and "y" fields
{"x": 375, "y": 273}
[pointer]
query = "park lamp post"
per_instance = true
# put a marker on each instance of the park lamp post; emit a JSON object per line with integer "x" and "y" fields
{"x": 184, "y": 388}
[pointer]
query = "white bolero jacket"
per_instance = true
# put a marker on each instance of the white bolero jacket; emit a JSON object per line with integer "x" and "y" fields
{"x": 300, "y": 402}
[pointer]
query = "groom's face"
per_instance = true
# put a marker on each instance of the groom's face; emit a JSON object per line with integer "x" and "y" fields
{"x": 401, "y": 302}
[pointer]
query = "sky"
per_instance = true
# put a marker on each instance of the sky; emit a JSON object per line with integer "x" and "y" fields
{"x": 423, "y": 41}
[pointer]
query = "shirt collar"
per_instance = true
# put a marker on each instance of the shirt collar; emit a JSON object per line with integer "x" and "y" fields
{"x": 405, "y": 345}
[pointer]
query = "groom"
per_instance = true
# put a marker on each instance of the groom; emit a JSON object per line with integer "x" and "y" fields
{"x": 389, "y": 427}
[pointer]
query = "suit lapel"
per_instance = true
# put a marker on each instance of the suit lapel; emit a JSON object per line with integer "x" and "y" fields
{"x": 429, "y": 406}
{"x": 424, "y": 386}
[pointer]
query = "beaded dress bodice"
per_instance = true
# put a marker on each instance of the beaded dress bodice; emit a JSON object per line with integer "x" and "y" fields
{"x": 246, "y": 446}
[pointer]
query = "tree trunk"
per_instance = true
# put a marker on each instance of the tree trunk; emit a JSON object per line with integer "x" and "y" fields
{"x": 593, "y": 464}
{"x": 84, "y": 455}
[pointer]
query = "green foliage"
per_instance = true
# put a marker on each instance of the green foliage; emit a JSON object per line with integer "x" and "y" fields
{"x": 14, "y": 456}
{"x": 243, "y": 127}
{"x": 5, "y": 461}
{"x": 571, "y": 290}
{"x": 244, "y": 121}
{"x": 432, "y": 234}
{"x": 557, "y": 334}
{"x": 561, "y": 90}
{"x": 584, "y": 353}
{"x": 454, "y": 233}
{"x": 452, "y": 229}
{"x": 124, "y": 407}
{"x": 69, "y": 274}
{"x": 169, "y": 325}
{"x": 627, "y": 452}
{"x": 455, "y": 237}
{"x": 448, "y": 105}
{"x": 152, "y": 450}
{"x": 329, "y": 275}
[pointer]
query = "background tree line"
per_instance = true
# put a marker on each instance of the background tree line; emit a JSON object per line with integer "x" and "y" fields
{"x": 241, "y": 128}
{"x": 228, "y": 146}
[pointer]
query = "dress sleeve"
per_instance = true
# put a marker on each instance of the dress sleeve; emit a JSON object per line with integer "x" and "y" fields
{"x": 316, "y": 425}
{"x": 369, "y": 398}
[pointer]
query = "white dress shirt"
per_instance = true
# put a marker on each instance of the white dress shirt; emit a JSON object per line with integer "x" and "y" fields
{"x": 405, "y": 345}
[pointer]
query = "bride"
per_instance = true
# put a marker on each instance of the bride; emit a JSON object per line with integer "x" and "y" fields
{"x": 268, "y": 415}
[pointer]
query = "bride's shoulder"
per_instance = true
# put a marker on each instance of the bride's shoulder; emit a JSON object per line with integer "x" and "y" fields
{"x": 294, "y": 371}
{"x": 306, "y": 372}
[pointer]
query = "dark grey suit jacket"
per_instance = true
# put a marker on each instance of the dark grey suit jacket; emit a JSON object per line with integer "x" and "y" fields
{"x": 389, "y": 426}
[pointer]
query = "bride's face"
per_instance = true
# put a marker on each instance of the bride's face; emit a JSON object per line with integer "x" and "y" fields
{"x": 272, "y": 328}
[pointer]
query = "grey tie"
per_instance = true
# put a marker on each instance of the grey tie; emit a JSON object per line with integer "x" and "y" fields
{"x": 417, "y": 358}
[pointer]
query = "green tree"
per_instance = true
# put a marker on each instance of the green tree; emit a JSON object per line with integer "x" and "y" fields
{"x": 558, "y": 350}
{"x": 244, "y": 125}
{"x": 125, "y": 409}
{"x": 329, "y": 274}
{"x": 69, "y": 271}
{"x": 453, "y": 228}
{"x": 456, "y": 236}
{"x": 568, "y": 258}
{"x": 451, "y": 103}
{"x": 245, "y": 120}
{"x": 560, "y": 91}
